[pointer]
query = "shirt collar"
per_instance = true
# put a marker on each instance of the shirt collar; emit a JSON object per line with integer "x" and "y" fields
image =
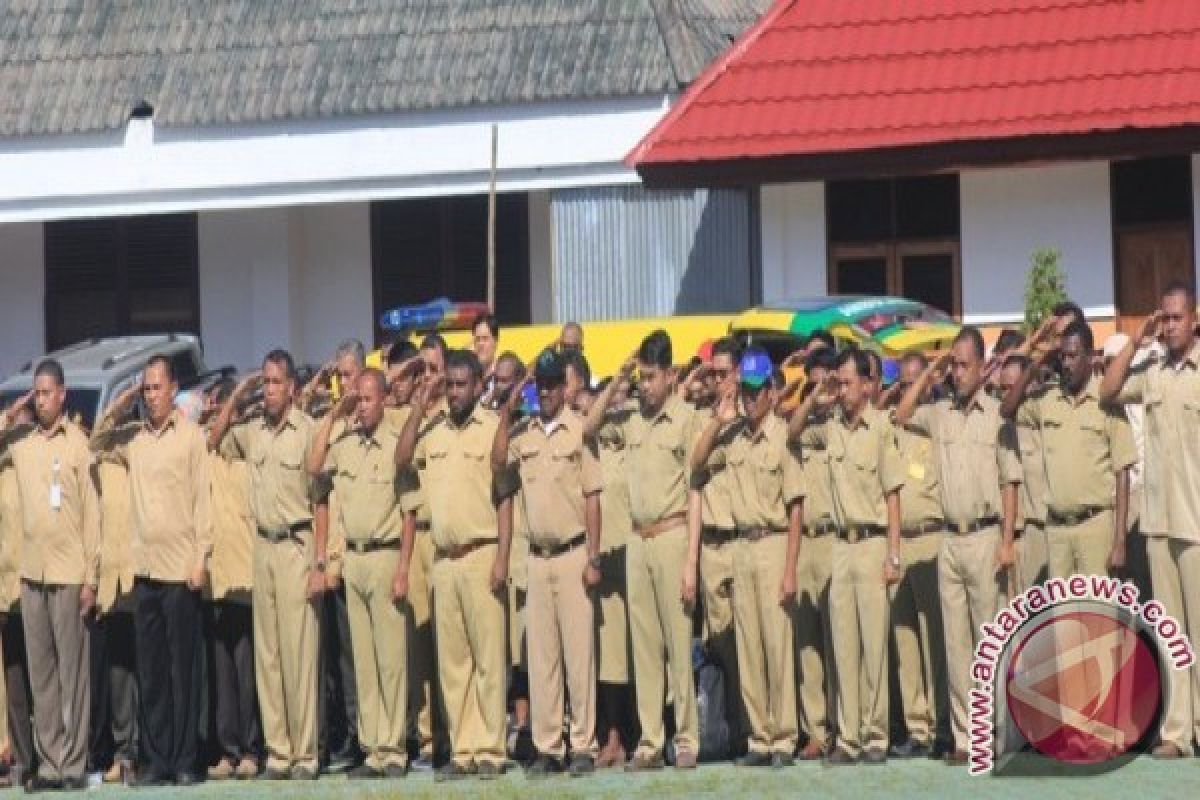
{"x": 59, "y": 427}
{"x": 556, "y": 424}
{"x": 172, "y": 421}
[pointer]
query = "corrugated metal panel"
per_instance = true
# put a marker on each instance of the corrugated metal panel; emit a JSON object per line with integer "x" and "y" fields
{"x": 625, "y": 251}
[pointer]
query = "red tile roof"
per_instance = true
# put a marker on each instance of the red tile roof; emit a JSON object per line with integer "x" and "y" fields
{"x": 821, "y": 77}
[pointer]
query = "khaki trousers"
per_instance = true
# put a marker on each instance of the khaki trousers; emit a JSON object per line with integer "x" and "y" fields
{"x": 858, "y": 614}
{"x": 1080, "y": 549}
{"x": 612, "y": 620}
{"x": 559, "y": 620}
{"x": 717, "y": 582}
{"x": 814, "y": 639}
{"x": 920, "y": 648}
{"x": 379, "y": 638}
{"x": 970, "y": 592}
{"x": 1175, "y": 576}
{"x": 765, "y": 646}
{"x": 286, "y": 636}
{"x": 1031, "y": 558}
{"x": 470, "y": 637}
{"x": 660, "y": 625}
{"x": 56, "y": 644}
{"x": 422, "y": 664}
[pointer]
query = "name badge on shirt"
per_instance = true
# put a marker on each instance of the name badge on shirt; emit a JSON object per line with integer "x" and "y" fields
{"x": 55, "y": 497}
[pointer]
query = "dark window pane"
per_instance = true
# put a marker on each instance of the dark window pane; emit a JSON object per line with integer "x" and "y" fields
{"x": 859, "y": 211}
{"x": 1150, "y": 190}
{"x": 861, "y": 276}
{"x": 927, "y": 207}
{"x": 929, "y": 279}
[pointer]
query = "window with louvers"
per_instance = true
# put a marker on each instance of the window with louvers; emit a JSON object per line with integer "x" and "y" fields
{"x": 113, "y": 277}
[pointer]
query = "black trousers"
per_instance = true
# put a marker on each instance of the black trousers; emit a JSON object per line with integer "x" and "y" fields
{"x": 239, "y": 730}
{"x": 338, "y": 730}
{"x": 20, "y": 696}
{"x": 167, "y": 621}
{"x": 114, "y": 690}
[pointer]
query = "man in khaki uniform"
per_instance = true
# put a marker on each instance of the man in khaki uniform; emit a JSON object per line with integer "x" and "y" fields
{"x": 916, "y": 607}
{"x": 16, "y": 728}
{"x": 238, "y": 729}
{"x": 662, "y": 557}
{"x": 1088, "y": 450}
{"x": 171, "y": 497}
{"x": 289, "y": 562}
{"x": 471, "y": 536}
{"x": 767, "y": 499}
{"x": 866, "y": 476}
{"x": 1030, "y": 567}
{"x": 361, "y": 461}
{"x": 980, "y": 473}
{"x": 560, "y": 495}
{"x": 60, "y": 512}
{"x": 1168, "y": 386}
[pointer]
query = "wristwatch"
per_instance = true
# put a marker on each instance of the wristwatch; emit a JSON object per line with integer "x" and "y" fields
{"x": 894, "y": 560}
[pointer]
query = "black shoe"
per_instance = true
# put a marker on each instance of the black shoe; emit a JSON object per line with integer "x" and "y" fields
{"x": 839, "y": 758}
{"x": 782, "y": 760}
{"x": 76, "y": 784}
{"x": 582, "y": 765}
{"x": 422, "y": 764}
{"x": 364, "y": 773}
{"x": 273, "y": 774}
{"x": 395, "y": 771}
{"x": 543, "y": 767}
{"x": 453, "y": 771}
{"x": 754, "y": 760}
{"x": 188, "y": 779}
{"x": 39, "y": 784}
{"x": 874, "y": 757}
{"x": 910, "y": 748}
{"x": 523, "y": 750}
{"x": 489, "y": 771}
{"x": 150, "y": 781}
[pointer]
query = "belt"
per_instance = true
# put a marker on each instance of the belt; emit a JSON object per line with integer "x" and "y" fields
{"x": 821, "y": 528}
{"x": 458, "y": 551}
{"x": 292, "y": 532}
{"x": 552, "y": 550}
{"x": 371, "y": 545}
{"x": 974, "y": 527}
{"x": 712, "y": 535}
{"x": 758, "y": 532}
{"x": 662, "y": 526}
{"x": 855, "y": 533}
{"x": 931, "y": 526}
{"x": 424, "y": 526}
{"x": 1071, "y": 519}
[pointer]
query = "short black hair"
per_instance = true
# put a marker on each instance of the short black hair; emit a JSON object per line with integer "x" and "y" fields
{"x": 822, "y": 336}
{"x": 969, "y": 333}
{"x": 282, "y": 358}
{"x": 1084, "y": 332}
{"x": 655, "y": 350}
{"x": 1017, "y": 360}
{"x": 434, "y": 341}
{"x": 917, "y": 356}
{"x": 161, "y": 360}
{"x": 52, "y": 369}
{"x": 488, "y": 319}
{"x": 222, "y": 389}
{"x": 728, "y": 346}
{"x": 822, "y": 358}
{"x": 464, "y": 359}
{"x": 1069, "y": 309}
{"x": 860, "y": 358}
{"x": 778, "y": 381}
{"x": 1181, "y": 287}
{"x": 1009, "y": 339}
{"x": 576, "y": 360}
{"x": 400, "y": 352}
{"x": 876, "y": 364}
{"x": 377, "y": 376}
{"x": 509, "y": 357}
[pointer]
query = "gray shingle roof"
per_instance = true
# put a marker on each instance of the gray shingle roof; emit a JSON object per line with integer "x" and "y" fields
{"x": 70, "y": 66}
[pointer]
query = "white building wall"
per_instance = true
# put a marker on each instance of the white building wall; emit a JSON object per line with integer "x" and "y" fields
{"x": 23, "y": 307}
{"x": 793, "y": 240}
{"x": 1009, "y": 213}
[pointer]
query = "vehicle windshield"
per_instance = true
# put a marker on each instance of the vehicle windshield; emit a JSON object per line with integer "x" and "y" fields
{"x": 81, "y": 403}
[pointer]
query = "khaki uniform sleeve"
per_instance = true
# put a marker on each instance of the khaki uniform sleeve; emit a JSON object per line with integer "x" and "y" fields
{"x": 107, "y": 443}
{"x": 1008, "y": 455}
{"x": 591, "y": 475}
{"x": 202, "y": 498}
{"x": 922, "y": 420}
{"x": 1134, "y": 390}
{"x": 1029, "y": 415}
{"x": 814, "y": 436}
{"x": 1120, "y": 439}
{"x": 233, "y": 445}
{"x": 794, "y": 486}
{"x": 891, "y": 467}
{"x": 90, "y": 524}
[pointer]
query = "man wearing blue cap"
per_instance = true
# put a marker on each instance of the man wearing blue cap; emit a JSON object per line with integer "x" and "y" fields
{"x": 767, "y": 508}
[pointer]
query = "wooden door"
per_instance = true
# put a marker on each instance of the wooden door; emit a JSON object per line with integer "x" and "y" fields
{"x": 1148, "y": 260}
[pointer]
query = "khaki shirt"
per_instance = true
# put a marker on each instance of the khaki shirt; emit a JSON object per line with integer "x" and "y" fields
{"x": 1028, "y": 444}
{"x": 920, "y": 497}
{"x": 281, "y": 491}
{"x": 171, "y": 493}
{"x": 814, "y": 460}
{"x": 1170, "y": 394}
{"x": 232, "y": 564}
{"x": 558, "y": 470}
{"x": 765, "y": 474}
{"x": 719, "y": 485}
{"x": 1084, "y": 447}
{"x": 975, "y": 458}
{"x": 116, "y": 534}
{"x": 616, "y": 524}
{"x": 368, "y": 485}
{"x": 10, "y": 540}
{"x": 61, "y": 526}
{"x": 864, "y": 466}
{"x": 454, "y": 464}
{"x": 413, "y": 499}
{"x": 658, "y": 451}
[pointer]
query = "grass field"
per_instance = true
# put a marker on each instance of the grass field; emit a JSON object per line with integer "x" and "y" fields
{"x": 1143, "y": 779}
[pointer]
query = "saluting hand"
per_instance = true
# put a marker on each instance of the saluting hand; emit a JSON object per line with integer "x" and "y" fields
{"x": 628, "y": 366}
{"x": 727, "y": 411}
{"x": 346, "y": 405}
{"x": 1149, "y": 330}
{"x": 11, "y": 412}
{"x": 246, "y": 387}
